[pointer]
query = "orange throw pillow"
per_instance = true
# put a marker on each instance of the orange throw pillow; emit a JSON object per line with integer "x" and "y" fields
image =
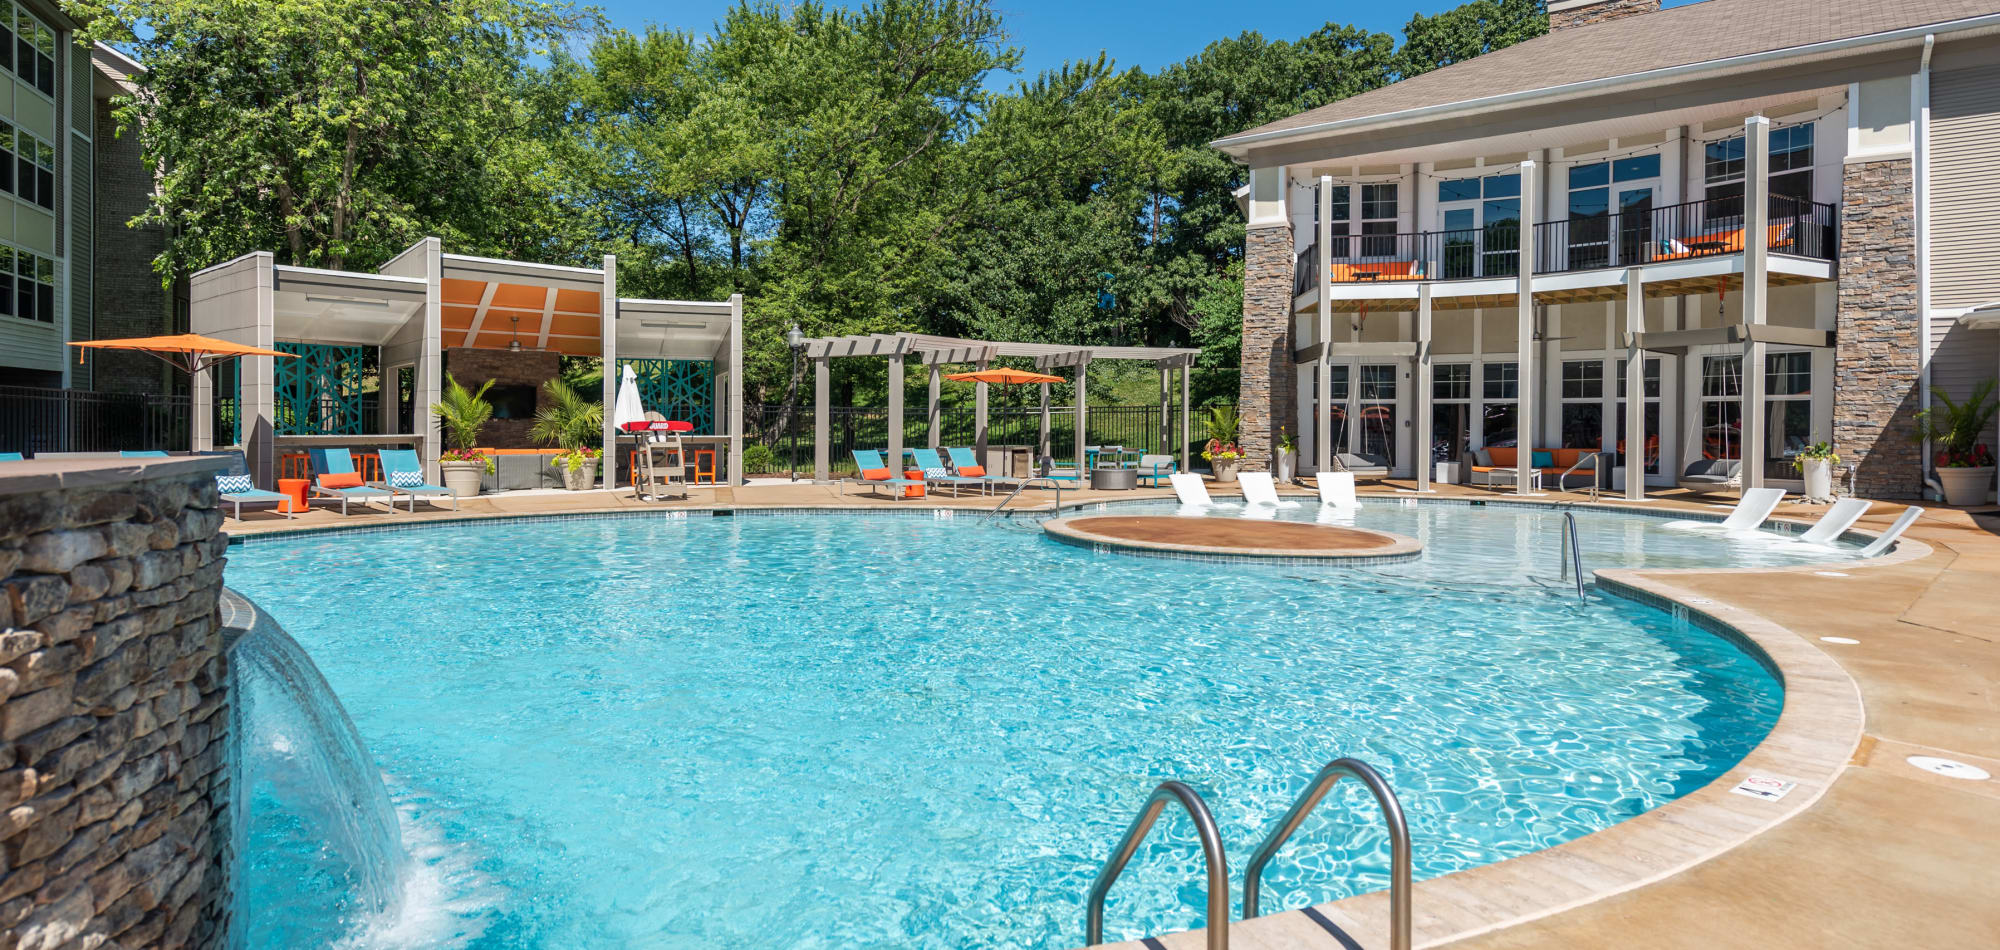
{"x": 972, "y": 471}
{"x": 875, "y": 474}
{"x": 342, "y": 480}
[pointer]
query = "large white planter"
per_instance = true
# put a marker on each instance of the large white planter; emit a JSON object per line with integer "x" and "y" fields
{"x": 1447, "y": 473}
{"x": 1283, "y": 467}
{"x": 1965, "y": 487}
{"x": 463, "y": 477}
{"x": 1818, "y": 474}
{"x": 585, "y": 475}
{"x": 1225, "y": 470}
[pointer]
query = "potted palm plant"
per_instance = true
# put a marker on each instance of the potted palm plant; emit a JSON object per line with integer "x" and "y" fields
{"x": 1815, "y": 465}
{"x": 463, "y": 412}
{"x": 571, "y": 423}
{"x": 1964, "y": 463}
{"x": 1222, "y": 454}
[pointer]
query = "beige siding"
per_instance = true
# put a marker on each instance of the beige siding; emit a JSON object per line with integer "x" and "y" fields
{"x": 1962, "y": 358}
{"x": 1965, "y": 203}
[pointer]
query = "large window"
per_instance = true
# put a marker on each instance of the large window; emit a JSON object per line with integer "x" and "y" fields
{"x": 1482, "y": 224}
{"x": 1500, "y": 388}
{"x": 27, "y": 285}
{"x": 7, "y": 157}
{"x": 30, "y": 166}
{"x": 1376, "y": 222}
{"x": 1582, "y": 404}
{"x": 1791, "y": 172}
{"x": 1451, "y": 411}
{"x": 1611, "y": 210}
{"x": 30, "y": 47}
{"x": 1788, "y": 408}
{"x": 1652, "y": 398}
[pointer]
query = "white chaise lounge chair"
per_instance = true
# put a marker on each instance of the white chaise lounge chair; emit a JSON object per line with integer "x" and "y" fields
{"x": 1260, "y": 491}
{"x": 1336, "y": 490}
{"x": 1193, "y": 494}
{"x": 1750, "y": 513}
{"x": 1887, "y": 538}
{"x": 1835, "y": 522}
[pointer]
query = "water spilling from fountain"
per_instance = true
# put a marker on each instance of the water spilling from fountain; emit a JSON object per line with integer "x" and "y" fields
{"x": 310, "y": 802}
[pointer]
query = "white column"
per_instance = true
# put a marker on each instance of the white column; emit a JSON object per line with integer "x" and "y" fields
{"x": 896, "y": 415}
{"x": 1323, "y": 449}
{"x": 1187, "y": 420}
{"x": 1756, "y": 271}
{"x": 607, "y": 330}
{"x": 822, "y": 421}
{"x": 1525, "y": 375}
{"x": 1423, "y": 383}
{"x": 1166, "y": 413}
{"x": 1082, "y": 421}
{"x": 735, "y": 389}
{"x": 936, "y": 408}
{"x": 1635, "y": 386}
{"x": 1042, "y": 436}
{"x": 979, "y": 433}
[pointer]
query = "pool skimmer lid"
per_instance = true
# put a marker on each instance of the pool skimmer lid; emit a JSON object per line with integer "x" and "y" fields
{"x": 1844, "y": 641}
{"x": 1949, "y": 768}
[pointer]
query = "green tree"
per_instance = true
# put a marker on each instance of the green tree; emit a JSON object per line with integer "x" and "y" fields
{"x": 336, "y": 132}
{"x": 1462, "y": 32}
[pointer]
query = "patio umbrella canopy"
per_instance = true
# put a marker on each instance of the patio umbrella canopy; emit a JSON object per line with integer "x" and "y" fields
{"x": 190, "y": 352}
{"x": 628, "y": 408}
{"x": 1005, "y": 377}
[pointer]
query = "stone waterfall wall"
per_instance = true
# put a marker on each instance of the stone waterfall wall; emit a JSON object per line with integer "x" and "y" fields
{"x": 112, "y": 706}
{"x": 1268, "y": 396}
{"x": 1877, "y": 353}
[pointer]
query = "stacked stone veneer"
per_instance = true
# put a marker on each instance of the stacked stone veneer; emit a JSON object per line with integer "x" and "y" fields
{"x": 112, "y": 708}
{"x": 1599, "y": 12}
{"x": 1268, "y": 397}
{"x": 1876, "y": 368}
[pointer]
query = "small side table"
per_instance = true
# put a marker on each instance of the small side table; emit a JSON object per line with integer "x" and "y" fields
{"x": 295, "y": 491}
{"x": 913, "y": 491}
{"x": 1114, "y": 479}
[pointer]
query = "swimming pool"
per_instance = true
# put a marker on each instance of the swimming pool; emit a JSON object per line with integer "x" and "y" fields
{"x": 853, "y": 730}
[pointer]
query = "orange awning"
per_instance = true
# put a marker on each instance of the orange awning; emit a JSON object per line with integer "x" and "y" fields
{"x": 191, "y": 352}
{"x": 1005, "y": 377}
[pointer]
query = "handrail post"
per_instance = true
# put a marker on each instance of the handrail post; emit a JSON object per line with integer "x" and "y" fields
{"x": 1392, "y": 815}
{"x": 1572, "y": 555}
{"x": 1211, "y": 853}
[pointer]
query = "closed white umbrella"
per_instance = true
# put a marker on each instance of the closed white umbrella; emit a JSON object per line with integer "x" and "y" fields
{"x": 628, "y": 408}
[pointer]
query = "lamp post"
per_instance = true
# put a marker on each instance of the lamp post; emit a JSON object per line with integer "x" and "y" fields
{"x": 795, "y": 339}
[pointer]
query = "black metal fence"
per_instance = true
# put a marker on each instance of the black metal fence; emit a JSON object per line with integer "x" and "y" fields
{"x": 774, "y": 449}
{"x": 34, "y": 420}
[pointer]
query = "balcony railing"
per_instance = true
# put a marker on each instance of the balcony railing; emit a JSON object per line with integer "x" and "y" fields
{"x": 1677, "y": 232}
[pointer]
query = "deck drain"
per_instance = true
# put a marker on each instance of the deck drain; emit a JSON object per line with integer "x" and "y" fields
{"x": 1844, "y": 641}
{"x": 1949, "y": 768}
{"x": 1832, "y": 574}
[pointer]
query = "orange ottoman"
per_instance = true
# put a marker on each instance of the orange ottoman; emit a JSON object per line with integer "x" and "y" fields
{"x": 913, "y": 491}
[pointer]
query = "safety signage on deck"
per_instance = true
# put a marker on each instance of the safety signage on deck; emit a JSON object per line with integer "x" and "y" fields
{"x": 1764, "y": 787}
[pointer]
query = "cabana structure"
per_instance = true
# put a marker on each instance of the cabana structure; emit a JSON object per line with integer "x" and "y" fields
{"x": 406, "y": 320}
{"x": 936, "y": 352}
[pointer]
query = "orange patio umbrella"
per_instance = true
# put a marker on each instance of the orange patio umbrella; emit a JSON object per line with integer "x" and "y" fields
{"x": 1005, "y": 377}
{"x": 190, "y": 352}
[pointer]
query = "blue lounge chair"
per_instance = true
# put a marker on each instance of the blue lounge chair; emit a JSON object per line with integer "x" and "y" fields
{"x": 11, "y": 457}
{"x": 869, "y": 460}
{"x": 936, "y": 474}
{"x": 235, "y": 487}
{"x": 966, "y": 465}
{"x": 403, "y": 474}
{"x": 327, "y": 462}
{"x": 142, "y": 454}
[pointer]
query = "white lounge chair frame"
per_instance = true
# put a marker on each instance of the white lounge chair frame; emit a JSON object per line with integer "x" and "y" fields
{"x": 1835, "y": 522}
{"x": 1336, "y": 490}
{"x": 1885, "y": 539}
{"x": 1261, "y": 491}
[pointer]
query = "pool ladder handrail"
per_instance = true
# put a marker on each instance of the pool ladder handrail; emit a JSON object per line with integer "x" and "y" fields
{"x": 1018, "y": 489}
{"x": 1562, "y": 481}
{"x": 1571, "y": 556}
{"x": 1211, "y": 853}
{"x": 1392, "y": 815}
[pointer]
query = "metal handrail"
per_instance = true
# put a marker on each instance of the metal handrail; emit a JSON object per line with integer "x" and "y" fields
{"x": 1562, "y": 481}
{"x": 1570, "y": 553}
{"x": 1018, "y": 489}
{"x": 1211, "y": 854}
{"x": 1399, "y": 842}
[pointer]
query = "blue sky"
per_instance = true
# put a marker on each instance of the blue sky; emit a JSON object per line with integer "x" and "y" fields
{"x": 1148, "y": 33}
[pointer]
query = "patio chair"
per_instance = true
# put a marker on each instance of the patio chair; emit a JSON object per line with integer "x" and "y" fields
{"x": 142, "y": 454}
{"x": 935, "y": 472}
{"x": 11, "y": 457}
{"x": 334, "y": 477}
{"x": 1882, "y": 541}
{"x": 875, "y": 473}
{"x": 1193, "y": 494}
{"x": 1157, "y": 467}
{"x": 1711, "y": 475}
{"x": 1336, "y": 490}
{"x": 1835, "y": 522}
{"x": 235, "y": 487}
{"x": 1750, "y": 513}
{"x": 966, "y": 465}
{"x": 1261, "y": 491}
{"x": 1361, "y": 466}
{"x": 403, "y": 474}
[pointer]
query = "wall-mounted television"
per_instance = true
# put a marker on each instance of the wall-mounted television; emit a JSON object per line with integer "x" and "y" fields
{"x": 512, "y": 402}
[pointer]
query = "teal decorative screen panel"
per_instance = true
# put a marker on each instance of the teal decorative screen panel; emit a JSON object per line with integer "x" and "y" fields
{"x": 319, "y": 392}
{"x": 677, "y": 389}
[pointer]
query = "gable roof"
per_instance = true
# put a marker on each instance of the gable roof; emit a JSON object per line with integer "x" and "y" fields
{"x": 1698, "y": 33}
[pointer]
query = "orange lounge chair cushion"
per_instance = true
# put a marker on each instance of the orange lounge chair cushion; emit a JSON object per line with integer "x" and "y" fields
{"x": 1504, "y": 458}
{"x": 972, "y": 471}
{"x": 875, "y": 474}
{"x": 341, "y": 480}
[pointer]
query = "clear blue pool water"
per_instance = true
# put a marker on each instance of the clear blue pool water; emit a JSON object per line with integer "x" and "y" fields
{"x": 853, "y": 731}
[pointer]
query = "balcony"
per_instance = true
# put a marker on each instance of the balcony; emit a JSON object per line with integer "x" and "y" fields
{"x": 1697, "y": 229}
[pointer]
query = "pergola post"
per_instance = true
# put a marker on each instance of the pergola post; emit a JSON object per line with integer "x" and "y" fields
{"x": 1323, "y": 450}
{"x": 607, "y": 331}
{"x": 937, "y": 410}
{"x": 896, "y": 413}
{"x": 735, "y": 393}
{"x": 1756, "y": 267}
{"x": 1042, "y": 437}
{"x": 822, "y": 426}
{"x": 1082, "y": 423}
{"x": 979, "y": 433}
{"x": 1187, "y": 421}
{"x": 1524, "y": 323}
{"x": 1635, "y": 386}
{"x": 1166, "y": 414}
{"x": 1422, "y": 454}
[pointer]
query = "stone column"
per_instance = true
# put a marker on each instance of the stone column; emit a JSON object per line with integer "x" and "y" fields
{"x": 1267, "y": 399}
{"x": 1876, "y": 357}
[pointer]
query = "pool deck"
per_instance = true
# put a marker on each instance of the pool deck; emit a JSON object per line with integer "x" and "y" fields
{"x": 1867, "y": 850}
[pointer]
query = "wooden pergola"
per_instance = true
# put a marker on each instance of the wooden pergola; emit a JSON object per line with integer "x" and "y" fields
{"x": 935, "y": 352}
